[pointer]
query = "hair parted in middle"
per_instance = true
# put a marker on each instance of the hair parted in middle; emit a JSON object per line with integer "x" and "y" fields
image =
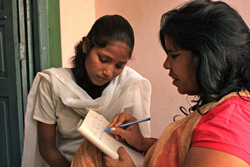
{"x": 105, "y": 30}
{"x": 219, "y": 41}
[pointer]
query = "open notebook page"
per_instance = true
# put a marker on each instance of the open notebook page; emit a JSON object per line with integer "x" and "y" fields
{"x": 92, "y": 128}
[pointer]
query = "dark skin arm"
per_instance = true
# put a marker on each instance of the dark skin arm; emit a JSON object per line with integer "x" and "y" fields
{"x": 47, "y": 145}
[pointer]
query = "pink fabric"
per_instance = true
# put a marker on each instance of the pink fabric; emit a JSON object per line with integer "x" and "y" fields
{"x": 226, "y": 128}
{"x": 170, "y": 154}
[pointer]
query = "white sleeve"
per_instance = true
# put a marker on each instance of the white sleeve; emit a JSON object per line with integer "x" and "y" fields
{"x": 44, "y": 110}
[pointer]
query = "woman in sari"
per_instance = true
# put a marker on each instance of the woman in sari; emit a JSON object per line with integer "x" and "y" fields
{"x": 208, "y": 56}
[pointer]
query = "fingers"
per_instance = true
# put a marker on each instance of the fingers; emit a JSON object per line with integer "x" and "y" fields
{"x": 114, "y": 121}
{"x": 120, "y": 132}
{"x": 125, "y": 158}
{"x": 123, "y": 161}
{"x": 113, "y": 130}
{"x": 120, "y": 119}
{"x": 123, "y": 118}
{"x": 123, "y": 154}
{"x": 117, "y": 121}
{"x": 109, "y": 162}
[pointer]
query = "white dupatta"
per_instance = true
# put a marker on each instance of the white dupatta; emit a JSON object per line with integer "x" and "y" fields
{"x": 128, "y": 92}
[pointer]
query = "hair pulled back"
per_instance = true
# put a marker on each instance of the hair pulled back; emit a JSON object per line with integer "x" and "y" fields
{"x": 105, "y": 30}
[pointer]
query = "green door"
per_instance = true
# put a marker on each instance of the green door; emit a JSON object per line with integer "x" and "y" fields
{"x": 29, "y": 43}
{"x": 11, "y": 108}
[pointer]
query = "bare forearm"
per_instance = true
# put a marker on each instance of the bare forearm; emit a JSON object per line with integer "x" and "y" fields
{"x": 47, "y": 145}
{"x": 146, "y": 144}
{"x": 54, "y": 158}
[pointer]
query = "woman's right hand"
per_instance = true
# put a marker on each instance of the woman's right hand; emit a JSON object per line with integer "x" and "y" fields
{"x": 131, "y": 134}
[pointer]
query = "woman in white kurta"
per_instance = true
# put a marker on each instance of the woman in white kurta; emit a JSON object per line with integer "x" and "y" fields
{"x": 99, "y": 80}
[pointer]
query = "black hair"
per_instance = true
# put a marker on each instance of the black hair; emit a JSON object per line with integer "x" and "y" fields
{"x": 219, "y": 41}
{"x": 106, "y": 29}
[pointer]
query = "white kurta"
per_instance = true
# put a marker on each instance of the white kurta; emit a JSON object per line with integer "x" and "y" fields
{"x": 56, "y": 98}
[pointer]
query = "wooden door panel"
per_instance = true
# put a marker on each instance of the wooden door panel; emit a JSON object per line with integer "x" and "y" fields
{"x": 4, "y": 130}
{"x": 10, "y": 146}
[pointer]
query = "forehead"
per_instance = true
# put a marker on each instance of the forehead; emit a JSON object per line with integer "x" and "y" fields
{"x": 170, "y": 45}
{"x": 185, "y": 55}
{"x": 118, "y": 51}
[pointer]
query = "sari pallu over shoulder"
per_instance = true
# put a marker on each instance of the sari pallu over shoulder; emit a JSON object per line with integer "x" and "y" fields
{"x": 173, "y": 145}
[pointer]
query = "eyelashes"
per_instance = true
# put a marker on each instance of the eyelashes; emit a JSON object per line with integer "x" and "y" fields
{"x": 105, "y": 60}
{"x": 174, "y": 56}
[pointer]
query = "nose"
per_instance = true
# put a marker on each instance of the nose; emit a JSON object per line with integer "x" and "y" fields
{"x": 167, "y": 63}
{"x": 108, "y": 71}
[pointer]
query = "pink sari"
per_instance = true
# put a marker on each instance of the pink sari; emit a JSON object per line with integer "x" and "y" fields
{"x": 87, "y": 156}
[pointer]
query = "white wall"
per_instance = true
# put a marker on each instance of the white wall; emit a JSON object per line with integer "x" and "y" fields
{"x": 148, "y": 56}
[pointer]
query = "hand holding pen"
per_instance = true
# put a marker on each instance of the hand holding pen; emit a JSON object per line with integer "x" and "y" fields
{"x": 129, "y": 124}
{"x": 131, "y": 134}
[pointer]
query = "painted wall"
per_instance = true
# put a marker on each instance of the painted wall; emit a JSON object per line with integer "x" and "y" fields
{"x": 77, "y": 17}
{"x": 148, "y": 56}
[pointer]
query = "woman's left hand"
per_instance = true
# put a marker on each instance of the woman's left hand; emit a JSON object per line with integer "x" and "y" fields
{"x": 123, "y": 161}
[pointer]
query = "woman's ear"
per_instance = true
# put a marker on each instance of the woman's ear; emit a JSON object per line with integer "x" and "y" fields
{"x": 85, "y": 45}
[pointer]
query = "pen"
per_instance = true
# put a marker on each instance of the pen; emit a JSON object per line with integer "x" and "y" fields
{"x": 128, "y": 124}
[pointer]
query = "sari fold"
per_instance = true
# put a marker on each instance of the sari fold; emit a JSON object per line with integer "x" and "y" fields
{"x": 173, "y": 145}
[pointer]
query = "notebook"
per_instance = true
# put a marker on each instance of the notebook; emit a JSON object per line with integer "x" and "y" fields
{"x": 92, "y": 128}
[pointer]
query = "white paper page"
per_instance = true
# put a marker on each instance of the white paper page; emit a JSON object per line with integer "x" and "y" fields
{"x": 96, "y": 123}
